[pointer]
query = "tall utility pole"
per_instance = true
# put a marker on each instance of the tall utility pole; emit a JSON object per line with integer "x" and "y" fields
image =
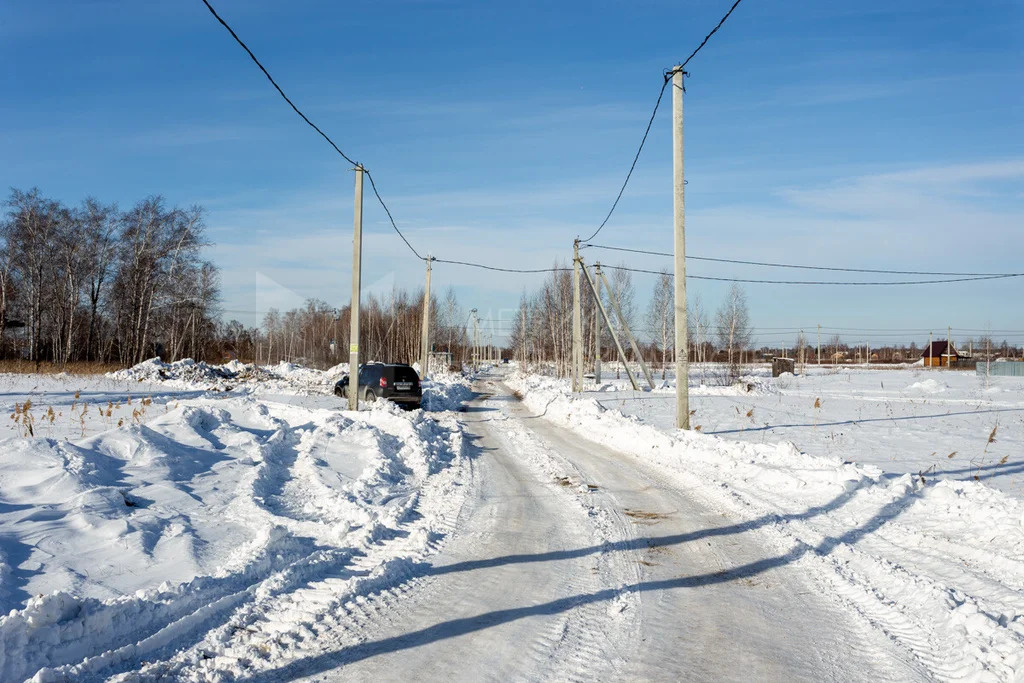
{"x": 803, "y": 348}
{"x": 476, "y": 342}
{"x": 930, "y": 362}
{"x": 577, "y": 321}
{"x": 357, "y": 268}
{"x": 425, "y": 334}
{"x": 988, "y": 358}
{"x": 949, "y": 346}
{"x": 525, "y": 335}
{"x": 678, "y": 205}
{"x": 819, "y": 344}
{"x": 597, "y": 325}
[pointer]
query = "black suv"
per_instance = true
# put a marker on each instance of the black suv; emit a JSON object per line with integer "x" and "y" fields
{"x": 396, "y": 382}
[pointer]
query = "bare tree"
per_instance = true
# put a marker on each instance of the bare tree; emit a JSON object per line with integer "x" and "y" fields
{"x": 661, "y": 316}
{"x": 734, "y": 330}
{"x": 699, "y": 327}
{"x": 801, "y": 347}
{"x": 6, "y": 276}
{"x": 836, "y": 343}
{"x": 99, "y": 247}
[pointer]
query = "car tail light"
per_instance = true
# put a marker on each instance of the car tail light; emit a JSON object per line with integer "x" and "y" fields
{"x": 384, "y": 382}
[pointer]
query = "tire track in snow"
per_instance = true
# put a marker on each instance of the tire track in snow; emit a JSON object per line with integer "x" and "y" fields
{"x": 473, "y": 608}
{"x": 283, "y": 581}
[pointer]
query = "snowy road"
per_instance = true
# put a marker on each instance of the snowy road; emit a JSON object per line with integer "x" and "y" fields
{"x": 575, "y": 562}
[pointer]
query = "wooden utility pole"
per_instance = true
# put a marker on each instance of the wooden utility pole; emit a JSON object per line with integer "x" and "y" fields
{"x": 949, "y": 346}
{"x": 597, "y": 326}
{"x": 988, "y": 358}
{"x": 425, "y": 334}
{"x": 819, "y": 344}
{"x": 930, "y": 362}
{"x": 476, "y": 342}
{"x": 357, "y": 267}
{"x": 577, "y": 321}
{"x": 679, "y": 214}
{"x": 525, "y": 335}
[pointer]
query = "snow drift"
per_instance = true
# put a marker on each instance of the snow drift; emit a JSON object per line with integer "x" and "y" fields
{"x": 175, "y": 528}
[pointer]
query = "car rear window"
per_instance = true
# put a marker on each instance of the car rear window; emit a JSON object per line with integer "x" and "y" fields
{"x": 404, "y": 373}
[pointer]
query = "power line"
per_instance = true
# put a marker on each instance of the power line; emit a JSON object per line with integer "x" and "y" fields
{"x": 503, "y": 270}
{"x": 636, "y": 157}
{"x": 276, "y": 86}
{"x": 824, "y": 282}
{"x": 804, "y": 267}
{"x": 380, "y": 199}
{"x": 650, "y": 122}
{"x": 310, "y": 123}
{"x": 708, "y": 36}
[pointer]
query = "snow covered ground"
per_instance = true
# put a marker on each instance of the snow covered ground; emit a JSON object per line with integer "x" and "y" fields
{"x": 140, "y": 510}
{"x": 942, "y": 424}
{"x": 192, "y": 522}
{"x": 936, "y": 561}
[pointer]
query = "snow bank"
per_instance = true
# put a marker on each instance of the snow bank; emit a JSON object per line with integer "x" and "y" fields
{"x": 181, "y": 528}
{"x": 927, "y": 386}
{"x": 446, "y": 391}
{"x": 189, "y": 373}
{"x": 442, "y": 392}
{"x": 936, "y": 565}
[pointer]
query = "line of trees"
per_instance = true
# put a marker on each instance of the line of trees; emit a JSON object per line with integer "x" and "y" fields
{"x": 317, "y": 334}
{"x": 542, "y": 329}
{"x": 93, "y": 283}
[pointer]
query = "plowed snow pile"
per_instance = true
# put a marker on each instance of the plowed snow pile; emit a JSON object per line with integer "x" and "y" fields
{"x": 150, "y": 516}
{"x": 937, "y": 565}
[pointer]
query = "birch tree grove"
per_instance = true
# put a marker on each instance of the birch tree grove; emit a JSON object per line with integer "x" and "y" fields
{"x": 91, "y": 283}
{"x": 389, "y": 330}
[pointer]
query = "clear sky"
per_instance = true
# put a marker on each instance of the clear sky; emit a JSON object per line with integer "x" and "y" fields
{"x": 864, "y": 134}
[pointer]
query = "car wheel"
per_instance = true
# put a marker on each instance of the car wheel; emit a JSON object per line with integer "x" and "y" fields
{"x": 368, "y": 395}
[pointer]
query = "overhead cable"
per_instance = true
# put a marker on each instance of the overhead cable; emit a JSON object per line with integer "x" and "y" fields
{"x": 503, "y": 270}
{"x": 823, "y": 282}
{"x": 650, "y": 122}
{"x": 310, "y": 123}
{"x": 803, "y": 267}
{"x": 632, "y": 166}
{"x": 708, "y": 36}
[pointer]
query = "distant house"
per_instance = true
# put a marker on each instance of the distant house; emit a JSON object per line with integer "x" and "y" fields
{"x": 942, "y": 354}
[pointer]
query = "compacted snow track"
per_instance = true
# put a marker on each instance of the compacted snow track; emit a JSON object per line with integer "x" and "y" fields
{"x": 577, "y": 563}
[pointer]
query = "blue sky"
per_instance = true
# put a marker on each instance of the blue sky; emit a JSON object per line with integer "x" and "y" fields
{"x": 882, "y": 135}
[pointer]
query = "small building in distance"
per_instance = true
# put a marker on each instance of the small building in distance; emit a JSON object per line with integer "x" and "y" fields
{"x": 942, "y": 354}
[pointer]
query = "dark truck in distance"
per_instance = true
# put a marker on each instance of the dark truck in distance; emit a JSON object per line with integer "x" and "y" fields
{"x": 395, "y": 382}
